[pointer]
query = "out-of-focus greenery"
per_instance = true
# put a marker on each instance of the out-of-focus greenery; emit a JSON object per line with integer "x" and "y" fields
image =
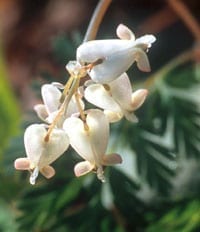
{"x": 157, "y": 188}
{"x": 9, "y": 126}
{"x": 9, "y": 110}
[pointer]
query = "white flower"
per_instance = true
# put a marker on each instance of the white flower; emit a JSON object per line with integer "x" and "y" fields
{"x": 90, "y": 141}
{"x": 51, "y": 96}
{"x": 116, "y": 98}
{"x": 115, "y": 55}
{"x": 41, "y": 153}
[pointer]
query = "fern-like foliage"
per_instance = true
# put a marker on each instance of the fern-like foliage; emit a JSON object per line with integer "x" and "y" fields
{"x": 167, "y": 132}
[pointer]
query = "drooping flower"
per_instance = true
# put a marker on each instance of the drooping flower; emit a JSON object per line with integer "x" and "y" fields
{"x": 52, "y": 97}
{"x": 90, "y": 139}
{"x": 115, "y": 56}
{"x": 41, "y": 153}
{"x": 116, "y": 98}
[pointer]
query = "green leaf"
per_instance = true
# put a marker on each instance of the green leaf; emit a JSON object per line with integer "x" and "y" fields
{"x": 183, "y": 216}
{"x": 9, "y": 110}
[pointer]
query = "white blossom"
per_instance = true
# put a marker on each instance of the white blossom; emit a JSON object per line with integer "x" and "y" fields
{"x": 115, "y": 55}
{"x": 116, "y": 98}
{"x": 52, "y": 98}
{"x": 41, "y": 153}
{"x": 90, "y": 141}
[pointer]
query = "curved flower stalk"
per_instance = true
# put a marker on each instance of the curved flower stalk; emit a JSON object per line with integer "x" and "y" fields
{"x": 115, "y": 55}
{"x": 52, "y": 98}
{"x": 41, "y": 153}
{"x": 116, "y": 98}
{"x": 90, "y": 140}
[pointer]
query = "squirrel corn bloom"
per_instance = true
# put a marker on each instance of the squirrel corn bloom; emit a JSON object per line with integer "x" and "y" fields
{"x": 52, "y": 95}
{"x": 115, "y": 56}
{"x": 90, "y": 139}
{"x": 116, "y": 98}
{"x": 41, "y": 153}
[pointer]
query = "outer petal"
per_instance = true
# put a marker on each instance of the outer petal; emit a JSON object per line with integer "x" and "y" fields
{"x": 91, "y": 51}
{"x": 22, "y": 164}
{"x": 113, "y": 116}
{"x": 112, "y": 159}
{"x": 48, "y": 171}
{"x": 130, "y": 116}
{"x": 142, "y": 60}
{"x": 42, "y": 153}
{"x": 89, "y": 143}
{"x": 33, "y": 141}
{"x": 99, "y": 132}
{"x": 41, "y": 111}
{"x": 138, "y": 98}
{"x": 79, "y": 138}
{"x": 97, "y": 95}
{"x": 145, "y": 41}
{"x": 51, "y": 96}
{"x": 53, "y": 149}
{"x": 114, "y": 65}
{"x": 123, "y": 32}
{"x": 83, "y": 168}
{"x": 121, "y": 91}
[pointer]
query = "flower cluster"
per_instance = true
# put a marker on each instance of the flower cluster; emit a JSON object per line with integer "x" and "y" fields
{"x": 66, "y": 119}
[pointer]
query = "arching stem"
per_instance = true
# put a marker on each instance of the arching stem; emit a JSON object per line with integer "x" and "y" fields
{"x": 96, "y": 20}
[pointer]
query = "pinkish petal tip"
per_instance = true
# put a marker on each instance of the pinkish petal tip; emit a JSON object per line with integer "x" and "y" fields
{"x": 22, "y": 164}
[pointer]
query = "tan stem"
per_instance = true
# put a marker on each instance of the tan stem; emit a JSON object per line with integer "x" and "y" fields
{"x": 96, "y": 20}
{"x": 181, "y": 59}
{"x": 66, "y": 89}
{"x": 63, "y": 107}
{"x": 79, "y": 106}
{"x": 183, "y": 12}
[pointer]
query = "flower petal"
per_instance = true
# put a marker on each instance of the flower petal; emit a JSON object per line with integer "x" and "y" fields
{"x": 83, "y": 168}
{"x": 138, "y": 98}
{"x": 91, "y": 142}
{"x": 130, "y": 116}
{"x": 145, "y": 41}
{"x": 115, "y": 64}
{"x": 99, "y": 96}
{"x": 41, "y": 111}
{"x": 142, "y": 60}
{"x": 51, "y": 96}
{"x": 40, "y": 152}
{"x": 121, "y": 90}
{"x": 112, "y": 159}
{"x": 22, "y": 164}
{"x": 123, "y": 32}
{"x": 99, "y": 133}
{"x": 48, "y": 171}
{"x": 79, "y": 138}
{"x": 113, "y": 116}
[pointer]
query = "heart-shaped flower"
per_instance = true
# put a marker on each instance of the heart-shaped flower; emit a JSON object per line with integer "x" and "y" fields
{"x": 41, "y": 153}
{"x": 116, "y": 98}
{"x": 115, "y": 56}
{"x": 52, "y": 97}
{"x": 90, "y": 140}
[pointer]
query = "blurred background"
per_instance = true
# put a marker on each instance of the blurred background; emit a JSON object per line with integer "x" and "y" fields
{"x": 157, "y": 188}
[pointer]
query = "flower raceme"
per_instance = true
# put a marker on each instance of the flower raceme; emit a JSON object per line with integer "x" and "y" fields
{"x": 68, "y": 123}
